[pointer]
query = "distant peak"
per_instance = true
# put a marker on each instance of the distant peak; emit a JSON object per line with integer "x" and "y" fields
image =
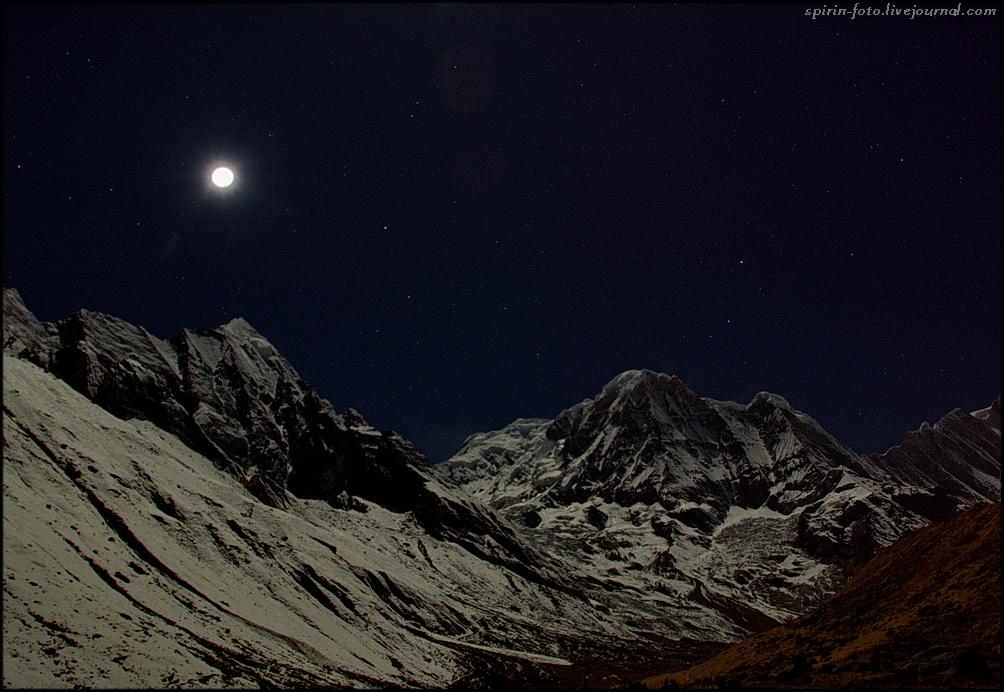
{"x": 238, "y": 322}
{"x": 354, "y": 419}
{"x": 239, "y": 325}
{"x": 632, "y": 378}
{"x": 528, "y": 422}
{"x": 627, "y": 379}
{"x": 774, "y": 399}
{"x": 990, "y": 414}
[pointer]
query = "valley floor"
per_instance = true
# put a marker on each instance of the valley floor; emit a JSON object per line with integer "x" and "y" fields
{"x": 591, "y": 668}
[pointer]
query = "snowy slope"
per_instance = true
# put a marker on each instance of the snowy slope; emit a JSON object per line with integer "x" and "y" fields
{"x": 132, "y": 561}
{"x": 753, "y": 511}
{"x": 229, "y": 395}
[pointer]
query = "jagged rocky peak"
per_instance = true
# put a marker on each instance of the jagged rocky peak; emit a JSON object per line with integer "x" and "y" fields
{"x": 647, "y": 385}
{"x": 229, "y": 395}
{"x": 239, "y": 325}
{"x": 635, "y": 401}
{"x": 991, "y": 415}
{"x": 354, "y": 419}
{"x": 646, "y": 437}
{"x": 519, "y": 429}
{"x": 505, "y": 444}
{"x": 642, "y": 377}
{"x": 23, "y": 334}
{"x": 226, "y": 392}
{"x": 486, "y": 456}
{"x": 100, "y": 355}
{"x": 767, "y": 405}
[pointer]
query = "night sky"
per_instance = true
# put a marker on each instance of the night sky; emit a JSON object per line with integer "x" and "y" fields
{"x": 449, "y": 216}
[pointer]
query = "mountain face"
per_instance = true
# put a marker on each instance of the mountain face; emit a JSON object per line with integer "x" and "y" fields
{"x": 226, "y": 393}
{"x": 924, "y": 612}
{"x": 753, "y": 510}
{"x": 229, "y": 395}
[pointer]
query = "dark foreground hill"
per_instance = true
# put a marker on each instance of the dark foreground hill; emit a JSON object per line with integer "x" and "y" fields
{"x": 924, "y": 612}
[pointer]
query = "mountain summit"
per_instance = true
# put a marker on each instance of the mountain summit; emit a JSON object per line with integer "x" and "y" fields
{"x": 752, "y": 508}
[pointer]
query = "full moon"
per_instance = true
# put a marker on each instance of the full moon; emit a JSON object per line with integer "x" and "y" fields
{"x": 223, "y": 176}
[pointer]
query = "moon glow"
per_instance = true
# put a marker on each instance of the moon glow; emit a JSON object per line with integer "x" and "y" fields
{"x": 222, "y": 176}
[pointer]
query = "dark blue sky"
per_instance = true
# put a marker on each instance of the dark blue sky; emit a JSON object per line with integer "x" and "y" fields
{"x": 450, "y": 216}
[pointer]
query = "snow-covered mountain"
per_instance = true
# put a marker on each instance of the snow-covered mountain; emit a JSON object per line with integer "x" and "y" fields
{"x": 219, "y": 524}
{"x": 752, "y": 509}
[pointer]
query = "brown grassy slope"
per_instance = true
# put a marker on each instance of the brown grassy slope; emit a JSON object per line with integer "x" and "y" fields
{"x": 925, "y": 611}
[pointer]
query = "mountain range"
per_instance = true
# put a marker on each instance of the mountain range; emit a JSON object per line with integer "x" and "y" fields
{"x": 752, "y": 508}
{"x": 216, "y": 522}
